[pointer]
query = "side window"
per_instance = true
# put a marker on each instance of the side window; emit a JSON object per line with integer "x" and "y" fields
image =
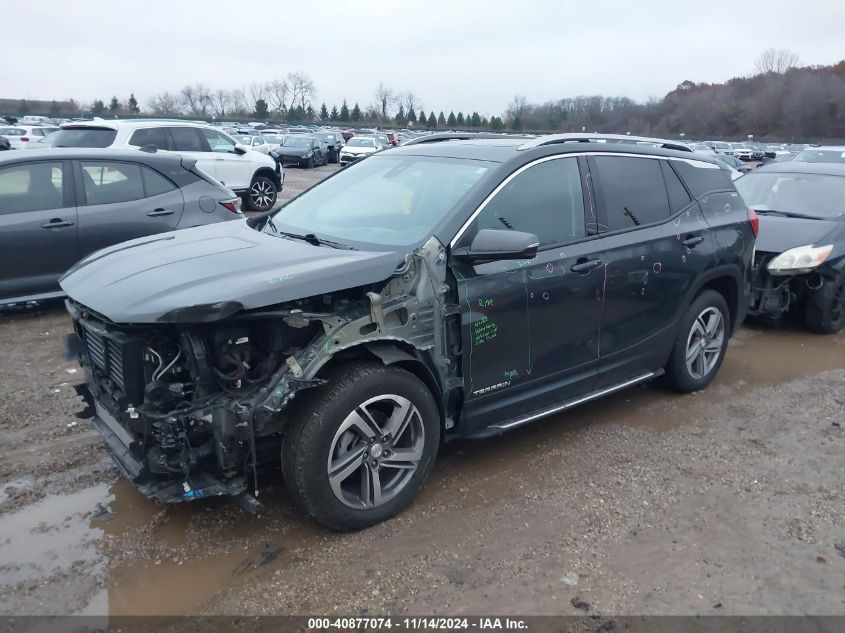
{"x": 109, "y": 183}
{"x": 545, "y": 200}
{"x": 31, "y": 187}
{"x": 150, "y": 136}
{"x": 154, "y": 183}
{"x": 678, "y": 196}
{"x": 217, "y": 142}
{"x": 187, "y": 139}
{"x": 633, "y": 190}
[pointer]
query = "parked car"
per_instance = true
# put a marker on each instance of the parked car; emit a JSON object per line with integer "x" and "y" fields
{"x": 392, "y": 138}
{"x": 347, "y": 134}
{"x": 42, "y": 142}
{"x": 742, "y": 151}
{"x": 274, "y": 139}
{"x": 254, "y": 141}
{"x": 735, "y": 173}
{"x": 734, "y": 163}
{"x": 334, "y": 144}
{"x": 823, "y": 154}
{"x": 251, "y": 174}
{"x": 14, "y": 135}
{"x": 703, "y": 148}
{"x": 26, "y": 134}
{"x": 396, "y": 305}
{"x": 304, "y": 150}
{"x": 57, "y": 206}
{"x": 358, "y": 147}
{"x": 721, "y": 147}
{"x": 799, "y": 266}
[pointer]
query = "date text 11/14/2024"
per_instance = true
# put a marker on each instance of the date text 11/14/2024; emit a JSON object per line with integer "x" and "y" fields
{"x": 417, "y": 623}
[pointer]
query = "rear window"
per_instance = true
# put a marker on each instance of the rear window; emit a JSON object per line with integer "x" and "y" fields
{"x": 11, "y": 131}
{"x": 84, "y": 137}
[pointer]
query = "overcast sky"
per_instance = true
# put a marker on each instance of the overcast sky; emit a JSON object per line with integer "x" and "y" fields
{"x": 454, "y": 54}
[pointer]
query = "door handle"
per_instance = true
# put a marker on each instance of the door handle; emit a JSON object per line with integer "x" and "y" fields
{"x": 692, "y": 241}
{"x": 57, "y": 223}
{"x": 585, "y": 266}
{"x": 159, "y": 212}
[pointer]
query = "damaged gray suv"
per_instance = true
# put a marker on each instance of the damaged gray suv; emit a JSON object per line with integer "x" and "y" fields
{"x": 452, "y": 288}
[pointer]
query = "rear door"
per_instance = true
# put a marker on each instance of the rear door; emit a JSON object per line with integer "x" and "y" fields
{"x": 651, "y": 230}
{"x": 120, "y": 201}
{"x": 38, "y": 227}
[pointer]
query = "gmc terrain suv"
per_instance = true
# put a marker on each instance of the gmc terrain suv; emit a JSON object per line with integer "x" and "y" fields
{"x": 452, "y": 288}
{"x": 251, "y": 174}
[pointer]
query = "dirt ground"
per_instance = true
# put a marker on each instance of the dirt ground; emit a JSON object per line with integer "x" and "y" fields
{"x": 728, "y": 501}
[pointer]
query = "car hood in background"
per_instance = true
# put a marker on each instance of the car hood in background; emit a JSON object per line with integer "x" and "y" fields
{"x": 779, "y": 234}
{"x": 292, "y": 151}
{"x": 358, "y": 150}
{"x": 143, "y": 280}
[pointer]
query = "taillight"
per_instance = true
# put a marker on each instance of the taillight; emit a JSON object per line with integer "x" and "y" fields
{"x": 24, "y": 139}
{"x": 233, "y": 205}
{"x": 754, "y": 221}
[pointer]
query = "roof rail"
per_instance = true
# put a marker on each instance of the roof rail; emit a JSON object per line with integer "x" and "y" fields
{"x": 552, "y": 139}
{"x": 459, "y": 136}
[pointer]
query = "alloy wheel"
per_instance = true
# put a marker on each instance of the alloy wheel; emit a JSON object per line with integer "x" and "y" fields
{"x": 262, "y": 194}
{"x": 704, "y": 343}
{"x": 375, "y": 451}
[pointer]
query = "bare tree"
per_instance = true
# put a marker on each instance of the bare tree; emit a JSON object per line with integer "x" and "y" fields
{"x": 258, "y": 91}
{"x": 196, "y": 99}
{"x": 410, "y": 101}
{"x": 166, "y": 103}
{"x": 219, "y": 100}
{"x": 775, "y": 60}
{"x": 517, "y": 108}
{"x": 301, "y": 88}
{"x": 384, "y": 97}
{"x": 277, "y": 95}
{"x": 238, "y": 102}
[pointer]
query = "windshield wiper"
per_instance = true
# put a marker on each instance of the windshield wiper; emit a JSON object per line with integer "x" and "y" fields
{"x": 314, "y": 240}
{"x": 788, "y": 214}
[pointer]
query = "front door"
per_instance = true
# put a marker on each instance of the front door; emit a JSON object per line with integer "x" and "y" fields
{"x": 231, "y": 168}
{"x": 530, "y": 327}
{"x": 38, "y": 227}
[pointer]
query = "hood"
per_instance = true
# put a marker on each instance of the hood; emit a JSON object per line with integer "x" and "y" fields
{"x": 142, "y": 280}
{"x": 358, "y": 150}
{"x": 779, "y": 234}
{"x": 283, "y": 150}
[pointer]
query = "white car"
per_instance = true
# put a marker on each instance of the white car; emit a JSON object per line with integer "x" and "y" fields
{"x": 255, "y": 141}
{"x": 253, "y": 175}
{"x": 742, "y": 151}
{"x": 358, "y": 147}
{"x": 21, "y": 136}
{"x": 14, "y": 135}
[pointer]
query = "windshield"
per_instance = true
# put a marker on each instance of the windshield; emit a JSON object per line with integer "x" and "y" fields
{"x": 84, "y": 137}
{"x": 360, "y": 142}
{"x": 821, "y": 156}
{"x": 297, "y": 141}
{"x": 382, "y": 201}
{"x": 818, "y": 195}
{"x": 276, "y": 139}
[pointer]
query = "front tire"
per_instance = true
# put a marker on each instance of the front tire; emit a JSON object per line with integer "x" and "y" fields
{"x": 261, "y": 195}
{"x": 362, "y": 447}
{"x": 825, "y": 313}
{"x": 700, "y": 347}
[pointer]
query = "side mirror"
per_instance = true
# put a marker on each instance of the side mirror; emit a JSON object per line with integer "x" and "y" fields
{"x": 499, "y": 244}
{"x": 239, "y": 149}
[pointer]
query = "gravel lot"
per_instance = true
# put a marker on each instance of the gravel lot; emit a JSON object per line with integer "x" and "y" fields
{"x": 728, "y": 501}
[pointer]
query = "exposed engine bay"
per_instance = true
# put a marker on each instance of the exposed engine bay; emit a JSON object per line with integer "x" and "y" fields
{"x": 191, "y": 409}
{"x": 773, "y": 296}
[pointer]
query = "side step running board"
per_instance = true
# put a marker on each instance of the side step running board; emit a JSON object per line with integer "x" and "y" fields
{"x": 506, "y": 426}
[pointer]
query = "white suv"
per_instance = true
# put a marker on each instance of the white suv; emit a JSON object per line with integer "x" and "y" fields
{"x": 251, "y": 174}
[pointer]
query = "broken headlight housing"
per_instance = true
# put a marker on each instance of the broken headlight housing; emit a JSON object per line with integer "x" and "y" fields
{"x": 799, "y": 260}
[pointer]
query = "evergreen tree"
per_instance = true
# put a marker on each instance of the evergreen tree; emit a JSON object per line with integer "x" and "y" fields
{"x": 400, "y": 119}
{"x": 324, "y": 112}
{"x": 98, "y": 107}
{"x": 421, "y": 118}
{"x": 516, "y": 124}
{"x": 344, "y": 111}
{"x": 460, "y": 119}
{"x": 114, "y": 106}
{"x": 356, "y": 112}
{"x": 484, "y": 122}
{"x": 132, "y": 104}
{"x": 309, "y": 113}
{"x": 452, "y": 121}
{"x": 334, "y": 115}
{"x": 412, "y": 116}
{"x": 261, "y": 109}
{"x": 496, "y": 124}
{"x": 431, "y": 124}
{"x": 55, "y": 109}
{"x": 475, "y": 121}
{"x": 441, "y": 119}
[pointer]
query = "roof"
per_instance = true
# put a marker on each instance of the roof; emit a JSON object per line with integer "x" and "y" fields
{"x": 800, "y": 167}
{"x": 114, "y": 124}
{"x": 87, "y": 153}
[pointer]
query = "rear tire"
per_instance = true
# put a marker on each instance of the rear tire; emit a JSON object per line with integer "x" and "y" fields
{"x": 362, "y": 446}
{"x": 261, "y": 195}
{"x": 700, "y": 347}
{"x": 825, "y": 314}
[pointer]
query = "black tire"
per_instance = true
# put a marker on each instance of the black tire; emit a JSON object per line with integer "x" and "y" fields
{"x": 335, "y": 157}
{"x": 824, "y": 311}
{"x": 679, "y": 375}
{"x": 261, "y": 195}
{"x": 310, "y": 439}
{"x": 310, "y": 163}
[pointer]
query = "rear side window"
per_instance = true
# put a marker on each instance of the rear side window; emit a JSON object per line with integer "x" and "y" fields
{"x": 31, "y": 187}
{"x": 633, "y": 191}
{"x": 678, "y": 196}
{"x": 187, "y": 139}
{"x": 545, "y": 200}
{"x": 704, "y": 179}
{"x": 150, "y": 136}
{"x": 218, "y": 142}
{"x": 110, "y": 183}
{"x": 154, "y": 183}
{"x": 84, "y": 137}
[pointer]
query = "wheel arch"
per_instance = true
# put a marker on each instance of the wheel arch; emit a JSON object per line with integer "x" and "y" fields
{"x": 727, "y": 281}
{"x": 267, "y": 172}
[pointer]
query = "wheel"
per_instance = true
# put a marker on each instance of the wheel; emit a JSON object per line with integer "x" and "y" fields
{"x": 310, "y": 163}
{"x": 701, "y": 343}
{"x": 824, "y": 312}
{"x": 325, "y": 159}
{"x": 362, "y": 447}
{"x": 336, "y": 157}
{"x": 261, "y": 195}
